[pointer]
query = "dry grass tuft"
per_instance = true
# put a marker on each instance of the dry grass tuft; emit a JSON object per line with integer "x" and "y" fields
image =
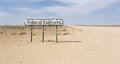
{"x": 64, "y": 30}
{"x": 66, "y": 33}
{"x": 23, "y": 33}
{"x": 1, "y": 32}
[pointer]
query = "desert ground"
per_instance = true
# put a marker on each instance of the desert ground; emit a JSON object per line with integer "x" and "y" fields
{"x": 77, "y": 45}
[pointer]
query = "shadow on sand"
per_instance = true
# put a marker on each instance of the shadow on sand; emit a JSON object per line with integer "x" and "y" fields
{"x": 63, "y": 41}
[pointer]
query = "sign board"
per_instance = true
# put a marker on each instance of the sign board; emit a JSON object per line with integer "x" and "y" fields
{"x": 43, "y": 22}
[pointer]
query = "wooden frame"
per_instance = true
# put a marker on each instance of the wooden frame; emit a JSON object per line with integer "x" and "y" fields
{"x": 41, "y": 22}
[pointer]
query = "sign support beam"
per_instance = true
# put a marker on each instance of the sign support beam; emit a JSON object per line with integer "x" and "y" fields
{"x": 56, "y": 34}
{"x": 43, "y": 33}
{"x": 31, "y": 33}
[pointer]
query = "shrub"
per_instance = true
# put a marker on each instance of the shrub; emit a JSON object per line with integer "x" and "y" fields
{"x": 23, "y": 33}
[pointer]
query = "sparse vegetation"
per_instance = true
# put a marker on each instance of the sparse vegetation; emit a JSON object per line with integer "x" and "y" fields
{"x": 80, "y": 30}
{"x": 66, "y": 33}
{"x": 64, "y": 30}
{"x": 1, "y": 32}
{"x": 23, "y": 33}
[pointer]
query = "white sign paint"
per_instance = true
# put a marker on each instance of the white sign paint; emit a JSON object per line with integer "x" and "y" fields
{"x": 41, "y": 22}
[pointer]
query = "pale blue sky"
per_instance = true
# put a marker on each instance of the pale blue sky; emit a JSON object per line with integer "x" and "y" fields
{"x": 13, "y": 12}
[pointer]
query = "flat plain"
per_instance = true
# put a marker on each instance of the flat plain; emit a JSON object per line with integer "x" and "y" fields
{"x": 77, "y": 45}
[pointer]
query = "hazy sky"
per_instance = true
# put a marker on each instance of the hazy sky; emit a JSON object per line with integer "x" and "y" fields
{"x": 13, "y": 12}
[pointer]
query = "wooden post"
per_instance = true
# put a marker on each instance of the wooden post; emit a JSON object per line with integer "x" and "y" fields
{"x": 31, "y": 33}
{"x": 43, "y": 34}
{"x": 56, "y": 33}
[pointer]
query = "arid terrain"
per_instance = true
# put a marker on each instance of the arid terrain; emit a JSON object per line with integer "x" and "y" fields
{"x": 77, "y": 45}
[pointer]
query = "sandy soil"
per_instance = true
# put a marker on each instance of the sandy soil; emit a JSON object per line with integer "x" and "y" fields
{"x": 79, "y": 45}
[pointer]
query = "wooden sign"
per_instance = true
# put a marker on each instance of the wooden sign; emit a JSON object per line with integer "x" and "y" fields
{"x": 45, "y": 22}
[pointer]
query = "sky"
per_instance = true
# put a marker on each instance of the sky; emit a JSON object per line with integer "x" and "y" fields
{"x": 74, "y": 12}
